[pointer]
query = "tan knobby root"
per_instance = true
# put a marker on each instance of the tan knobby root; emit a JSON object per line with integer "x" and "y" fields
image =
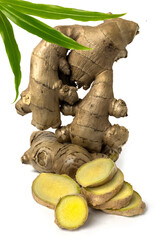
{"x": 46, "y": 154}
{"x": 91, "y": 127}
{"x": 47, "y": 89}
{"x": 48, "y": 188}
{"x": 71, "y": 212}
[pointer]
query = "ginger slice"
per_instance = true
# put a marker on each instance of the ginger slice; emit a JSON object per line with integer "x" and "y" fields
{"x": 101, "y": 194}
{"x": 71, "y": 212}
{"x": 48, "y": 188}
{"x": 120, "y": 200}
{"x": 135, "y": 207}
{"x": 96, "y": 172}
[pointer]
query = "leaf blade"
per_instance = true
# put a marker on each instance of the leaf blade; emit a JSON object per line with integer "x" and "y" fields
{"x": 41, "y": 29}
{"x": 12, "y": 50}
{"x": 57, "y": 12}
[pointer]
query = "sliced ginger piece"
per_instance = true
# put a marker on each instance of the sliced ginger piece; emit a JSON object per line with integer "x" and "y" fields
{"x": 48, "y": 188}
{"x": 135, "y": 207}
{"x": 71, "y": 212}
{"x": 101, "y": 194}
{"x": 96, "y": 172}
{"x": 120, "y": 200}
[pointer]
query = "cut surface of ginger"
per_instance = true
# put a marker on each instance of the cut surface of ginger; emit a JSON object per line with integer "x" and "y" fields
{"x": 47, "y": 188}
{"x": 117, "y": 180}
{"x": 98, "y": 195}
{"x": 96, "y": 172}
{"x": 135, "y": 207}
{"x": 120, "y": 200}
{"x": 71, "y": 212}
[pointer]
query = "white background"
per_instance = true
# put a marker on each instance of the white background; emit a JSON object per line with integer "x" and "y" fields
{"x": 135, "y": 81}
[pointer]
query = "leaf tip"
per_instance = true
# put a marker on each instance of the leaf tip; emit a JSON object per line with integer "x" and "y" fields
{"x": 16, "y": 97}
{"x": 123, "y": 14}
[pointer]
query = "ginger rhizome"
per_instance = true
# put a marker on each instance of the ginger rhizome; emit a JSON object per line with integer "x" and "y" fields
{"x": 91, "y": 127}
{"x": 46, "y": 154}
{"x": 52, "y": 89}
{"x": 56, "y": 74}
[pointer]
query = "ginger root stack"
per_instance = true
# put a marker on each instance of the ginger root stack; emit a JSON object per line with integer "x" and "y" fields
{"x": 115, "y": 196}
{"x": 55, "y": 72}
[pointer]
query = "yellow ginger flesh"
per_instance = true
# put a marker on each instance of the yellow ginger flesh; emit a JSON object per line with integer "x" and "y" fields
{"x": 109, "y": 186}
{"x": 71, "y": 212}
{"x": 47, "y": 188}
{"x": 96, "y": 172}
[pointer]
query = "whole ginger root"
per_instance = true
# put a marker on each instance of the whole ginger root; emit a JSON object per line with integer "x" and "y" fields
{"x": 46, "y": 154}
{"x": 46, "y": 89}
{"x": 47, "y": 94}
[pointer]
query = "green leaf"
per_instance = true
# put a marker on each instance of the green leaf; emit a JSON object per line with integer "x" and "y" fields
{"x": 57, "y": 12}
{"x": 12, "y": 50}
{"x": 40, "y": 29}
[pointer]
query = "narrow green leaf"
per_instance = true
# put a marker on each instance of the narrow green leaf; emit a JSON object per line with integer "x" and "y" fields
{"x": 12, "y": 49}
{"x": 40, "y": 29}
{"x": 57, "y": 12}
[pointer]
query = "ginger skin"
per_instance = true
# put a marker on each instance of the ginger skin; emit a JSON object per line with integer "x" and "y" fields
{"x": 91, "y": 127}
{"x": 46, "y": 154}
{"x": 46, "y": 91}
{"x": 43, "y": 95}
